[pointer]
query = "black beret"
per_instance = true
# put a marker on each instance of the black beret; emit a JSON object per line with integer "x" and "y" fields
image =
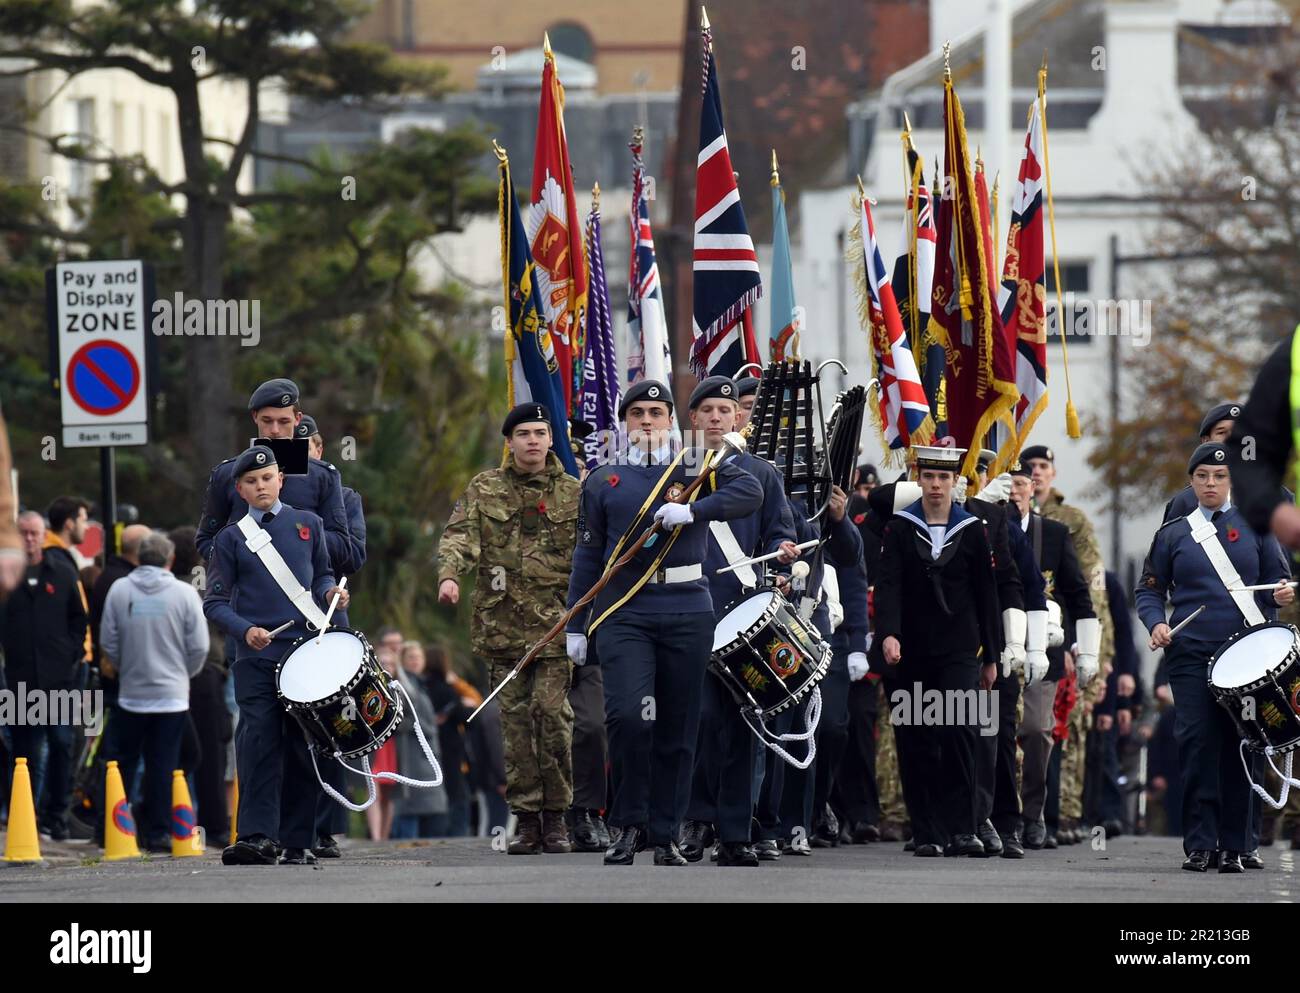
{"x": 867, "y": 474}
{"x": 306, "y": 427}
{"x": 274, "y": 393}
{"x": 985, "y": 459}
{"x": 1037, "y": 452}
{"x": 713, "y": 388}
{"x": 1021, "y": 468}
{"x": 746, "y": 386}
{"x": 257, "y": 457}
{"x": 580, "y": 429}
{"x": 523, "y": 414}
{"x": 1211, "y": 453}
{"x": 1223, "y": 412}
{"x": 646, "y": 389}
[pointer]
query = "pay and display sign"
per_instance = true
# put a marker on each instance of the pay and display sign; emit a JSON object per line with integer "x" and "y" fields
{"x": 98, "y": 319}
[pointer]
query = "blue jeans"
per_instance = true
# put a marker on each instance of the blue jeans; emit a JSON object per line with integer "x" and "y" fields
{"x": 48, "y": 751}
{"x": 155, "y": 738}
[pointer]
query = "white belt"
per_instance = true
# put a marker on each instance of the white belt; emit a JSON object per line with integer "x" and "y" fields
{"x": 677, "y": 574}
{"x": 1206, "y": 535}
{"x": 259, "y": 543}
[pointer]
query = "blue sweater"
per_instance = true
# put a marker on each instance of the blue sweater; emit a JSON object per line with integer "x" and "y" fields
{"x": 236, "y": 572}
{"x": 1178, "y": 569}
{"x": 611, "y": 497}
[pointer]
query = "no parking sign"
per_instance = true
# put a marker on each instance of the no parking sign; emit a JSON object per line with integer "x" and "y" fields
{"x": 99, "y": 319}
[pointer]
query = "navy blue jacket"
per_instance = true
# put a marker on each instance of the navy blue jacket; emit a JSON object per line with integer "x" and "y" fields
{"x": 234, "y": 571}
{"x": 319, "y": 491}
{"x": 844, "y": 552}
{"x": 1178, "y": 569}
{"x": 611, "y": 497}
{"x": 1031, "y": 579}
{"x": 757, "y": 534}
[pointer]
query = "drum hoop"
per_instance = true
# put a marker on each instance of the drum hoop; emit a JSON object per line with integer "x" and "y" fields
{"x": 345, "y": 690}
{"x": 1270, "y": 676}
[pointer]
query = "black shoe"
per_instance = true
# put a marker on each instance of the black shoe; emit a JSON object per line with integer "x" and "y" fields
{"x": 630, "y": 841}
{"x": 59, "y": 832}
{"x": 1011, "y": 846}
{"x": 989, "y": 838}
{"x": 1230, "y": 862}
{"x": 257, "y": 850}
{"x": 927, "y": 851}
{"x": 767, "y": 851}
{"x": 825, "y": 836}
{"x": 297, "y": 856}
{"x": 668, "y": 855}
{"x": 1113, "y": 828}
{"x": 1197, "y": 862}
{"x": 1035, "y": 834}
{"x": 326, "y": 847}
{"x": 585, "y": 838}
{"x": 736, "y": 853}
{"x": 696, "y": 837}
{"x": 865, "y": 833}
{"x": 157, "y": 846}
{"x": 1049, "y": 841}
{"x": 1251, "y": 859}
{"x": 846, "y": 834}
{"x": 963, "y": 844}
{"x": 909, "y": 845}
{"x": 604, "y": 832}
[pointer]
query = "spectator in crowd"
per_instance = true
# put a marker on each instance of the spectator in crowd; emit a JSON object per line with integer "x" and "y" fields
{"x": 208, "y": 710}
{"x": 116, "y": 566}
{"x": 155, "y": 635}
{"x": 485, "y": 749}
{"x": 453, "y": 701}
{"x": 67, "y": 520}
{"x": 13, "y": 562}
{"x": 379, "y": 815}
{"x": 420, "y": 810}
{"x": 43, "y": 629}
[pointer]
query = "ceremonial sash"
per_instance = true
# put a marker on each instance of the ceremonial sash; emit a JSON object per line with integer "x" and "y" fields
{"x": 634, "y": 528}
{"x": 259, "y": 543}
{"x": 1207, "y": 536}
{"x": 732, "y": 552}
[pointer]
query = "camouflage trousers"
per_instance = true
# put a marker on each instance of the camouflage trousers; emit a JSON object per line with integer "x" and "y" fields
{"x": 1073, "y": 756}
{"x": 888, "y": 785}
{"x": 537, "y": 732}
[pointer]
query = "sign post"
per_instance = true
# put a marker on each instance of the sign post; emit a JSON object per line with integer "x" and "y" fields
{"x": 98, "y": 318}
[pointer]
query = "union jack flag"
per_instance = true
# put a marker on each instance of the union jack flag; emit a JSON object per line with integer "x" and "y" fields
{"x": 904, "y": 410}
{"x": 648, "y": 354}
{"x": 727, "y": 281}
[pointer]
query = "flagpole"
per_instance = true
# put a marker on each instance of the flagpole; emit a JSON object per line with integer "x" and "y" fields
{"x": 1071, "y": 415}
{"x": 912, "y": 204}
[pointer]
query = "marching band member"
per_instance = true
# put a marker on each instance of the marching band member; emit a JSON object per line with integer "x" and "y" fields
{"x": 722, "y": 784}
{"x": 516, "y": 526}
{"x": 653, "y": 624}
{"x": 1216, "y": 426}
{"x": 251, "y": 592}
{"x": 1197, "y": 560}
{"x": 936, "y": 621}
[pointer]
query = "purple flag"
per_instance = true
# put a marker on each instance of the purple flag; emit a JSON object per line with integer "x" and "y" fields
{"x": 600, "y": 392}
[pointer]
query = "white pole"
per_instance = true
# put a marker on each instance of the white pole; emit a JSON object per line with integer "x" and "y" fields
{"x": 997, "y": 105}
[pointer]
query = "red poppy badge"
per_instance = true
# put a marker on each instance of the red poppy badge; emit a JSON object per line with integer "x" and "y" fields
{"x": 304, "y": 532}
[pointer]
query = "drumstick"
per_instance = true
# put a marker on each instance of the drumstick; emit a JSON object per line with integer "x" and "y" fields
{"x": 283, "y": 627}
{"x": 1259, "y": 588}
{"x": 343, "y": 585}
{"x": 1183, "y": 623}
{"x": 802, "y": 546}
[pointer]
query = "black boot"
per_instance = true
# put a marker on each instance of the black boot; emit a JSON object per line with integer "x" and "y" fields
{"x": 697, "y": 836}
{"x": 668, "y": 855}
{"x": 585, "y": 838}
{"x": 989, "y": 838}
{"x": 630, "y": 841}
{"x": 736, "y": 853}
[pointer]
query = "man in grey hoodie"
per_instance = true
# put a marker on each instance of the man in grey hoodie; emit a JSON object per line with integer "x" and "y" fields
{"x": 156, "y": 636}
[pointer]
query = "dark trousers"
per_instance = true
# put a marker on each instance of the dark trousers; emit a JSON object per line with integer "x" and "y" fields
{"x": 937, "y": 762}
{"x": 1052, "y": 805}
{"x": 996, "y": 796}
{"x": 855, "y": 795}
{"x": 51, "y": 773}
{"x": 277, "y": 787}
{"x": 155, "y": 738}
{"x": 803, "y": 799}
{"x": 722, "y": 787}
{"x": 654, "y": 672}
{"x": 1217, "y": 798}
{"x": 590, "y": 744}
{"x": 212, "y": 722}
{"x": 1102, "y": 800}
{"x": 331, "y": 816}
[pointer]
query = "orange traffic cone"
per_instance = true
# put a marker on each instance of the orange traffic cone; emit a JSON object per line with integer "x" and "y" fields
{"x": 119, "y": 825}
{"x": 187, "y": 839}
{"x": 22, "y": 844}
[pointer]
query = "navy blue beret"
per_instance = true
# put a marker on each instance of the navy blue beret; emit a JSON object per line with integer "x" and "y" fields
{"x": 257, "y": 457}
{"x": 1223, "y": 412}
{"x": 274, "y": 393}
{"x": 646, "y": 389}
{"x": 1211, "y": 453}
{"x": 306, "y": 427}
{"x": 713, "y": 388}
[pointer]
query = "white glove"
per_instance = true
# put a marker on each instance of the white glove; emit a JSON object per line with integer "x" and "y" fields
{"x": 959, "y": 490}
{"x": 1014, "y": 629}
{"x": 1055, "y": 632}
{"x": 857, "y": 666}
{"x": 576, "y": 646}
{"x": 1036, "y": 663}
{"x": 671, "y": 515}
{"x": 997, "y": 490}
{"x": 1088, "y": 632}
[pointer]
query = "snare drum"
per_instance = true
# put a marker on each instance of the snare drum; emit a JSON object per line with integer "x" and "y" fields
{"x": 766, "y": 654}
{"x": 338, "y": 692}
{"x": 1255, "y": 675}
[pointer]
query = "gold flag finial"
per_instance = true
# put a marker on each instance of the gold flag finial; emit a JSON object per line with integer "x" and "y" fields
{"x": 638, "y": 134}
{"x": 947, "y": 67}
{"x": 862, "y": 190}
{"x": 704, "y": 18}
{"x": 500, "y": 152}
{"x": 595, "y": 196}
{"x": 907, "y": 133}
{"x": 546, "y": 45}
{"x": 776, "y": 176}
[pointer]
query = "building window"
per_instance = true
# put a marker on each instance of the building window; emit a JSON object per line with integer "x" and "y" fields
{"x": 572, "y": 40}
{"x": 1081, "y": 316}
{"x": 81, "y": 129}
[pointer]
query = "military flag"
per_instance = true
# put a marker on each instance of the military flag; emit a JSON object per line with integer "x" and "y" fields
{"x": 648, "y": 353}
{"x": 600, "y": 392}
{"x": 784, "y": 332}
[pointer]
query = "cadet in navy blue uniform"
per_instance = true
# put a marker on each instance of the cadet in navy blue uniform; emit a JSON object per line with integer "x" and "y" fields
{"x": 1217, "y": 799}
{"x": 276, "y": 414}
{"x": 653, "y": 625}
{"x": 332, "y": 818}
{"x": 277, "y": 788}
{"x": 1216, "y": 426}
{"x": 721, "y": 788}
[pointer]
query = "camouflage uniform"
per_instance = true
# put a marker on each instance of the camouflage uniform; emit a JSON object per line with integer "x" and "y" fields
{"x": 890, "y": 788}
{"x": 519, "y": 532}
{"x": 1073, "y": 749}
